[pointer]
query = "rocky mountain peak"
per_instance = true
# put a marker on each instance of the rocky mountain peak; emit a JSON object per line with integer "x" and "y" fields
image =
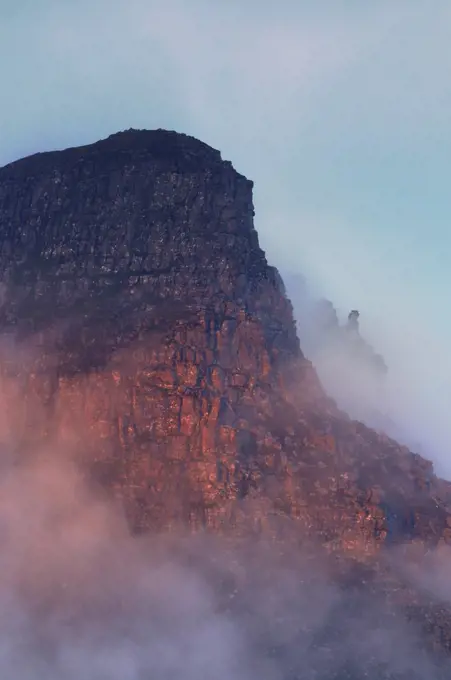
{"x": 144, "y": 332}
{"x": 147, "y": 215}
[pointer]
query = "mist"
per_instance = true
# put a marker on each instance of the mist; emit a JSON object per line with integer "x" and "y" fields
{"x": 406, "y": 397}
{"x": 81, "y": 597}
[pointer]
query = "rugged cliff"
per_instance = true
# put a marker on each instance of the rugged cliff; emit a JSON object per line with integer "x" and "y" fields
{"x": 144, "y": 332}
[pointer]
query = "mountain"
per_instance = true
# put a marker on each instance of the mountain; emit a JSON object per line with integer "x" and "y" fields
{"x": 144, "y": 334}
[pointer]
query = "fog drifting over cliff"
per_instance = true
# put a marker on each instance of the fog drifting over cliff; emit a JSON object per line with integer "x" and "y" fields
{"x": 409, "y": 401}
{"x": 81, "y": 598}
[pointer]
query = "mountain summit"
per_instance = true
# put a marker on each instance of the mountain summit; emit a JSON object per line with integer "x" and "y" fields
{"x": 144, "y": 331}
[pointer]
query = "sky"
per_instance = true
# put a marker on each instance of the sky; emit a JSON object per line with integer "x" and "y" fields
{"x": 338, "y": 110}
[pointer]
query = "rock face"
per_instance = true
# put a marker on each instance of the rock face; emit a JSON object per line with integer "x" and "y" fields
{"x": 132, "y": 268}
{"x": 144, "y": 331}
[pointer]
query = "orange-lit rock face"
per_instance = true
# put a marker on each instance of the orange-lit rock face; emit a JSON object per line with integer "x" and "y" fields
{"x": 145, "y": 333}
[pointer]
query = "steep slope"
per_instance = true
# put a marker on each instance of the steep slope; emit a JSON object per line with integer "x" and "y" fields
{"x": 144, "y": 332}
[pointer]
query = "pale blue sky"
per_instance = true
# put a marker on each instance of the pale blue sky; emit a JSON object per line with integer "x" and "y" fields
{"x": 340, "y": 111}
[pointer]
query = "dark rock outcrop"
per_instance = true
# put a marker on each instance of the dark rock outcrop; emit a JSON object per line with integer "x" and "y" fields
{"x": 144, "y": 331}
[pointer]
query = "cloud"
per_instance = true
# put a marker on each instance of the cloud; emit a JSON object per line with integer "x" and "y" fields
{"x": 81, "y": 598}
{"x": 416, "y": 392}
